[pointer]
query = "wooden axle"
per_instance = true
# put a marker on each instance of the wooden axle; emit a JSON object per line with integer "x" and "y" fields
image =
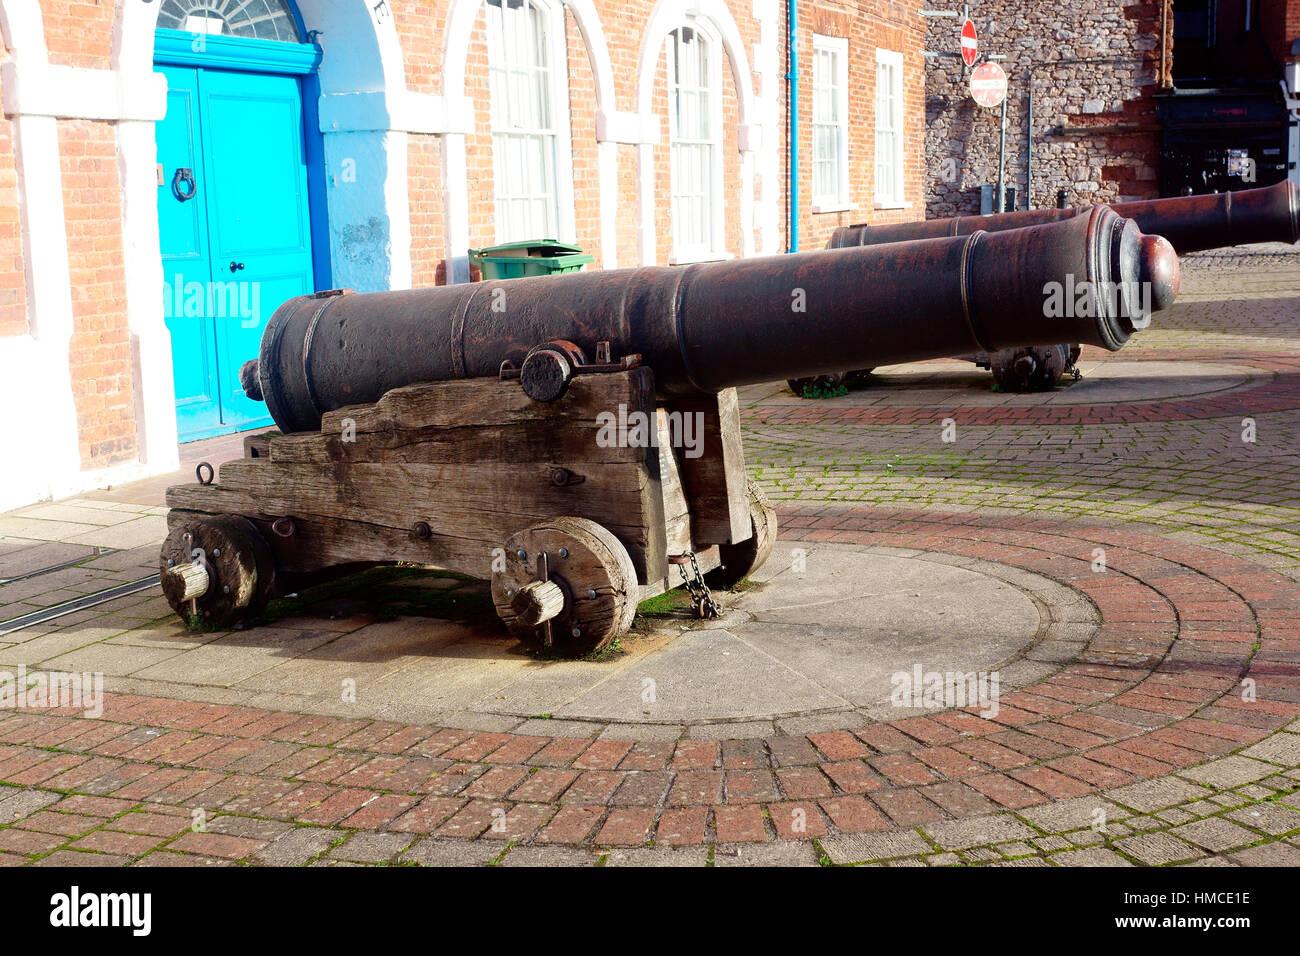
{"x": 191, "y": 579}
{"x": 536, "y": 602}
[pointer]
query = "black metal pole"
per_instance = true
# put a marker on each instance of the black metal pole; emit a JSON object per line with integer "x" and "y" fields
{"x": 1002, "y": 154}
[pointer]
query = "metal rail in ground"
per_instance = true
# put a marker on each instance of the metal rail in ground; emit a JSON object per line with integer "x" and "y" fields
{"x": 77, "y": 604}
{"x": 98, "y": 553}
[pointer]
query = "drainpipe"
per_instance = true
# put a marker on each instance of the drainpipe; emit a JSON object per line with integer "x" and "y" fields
{"x": 792, "y": 8}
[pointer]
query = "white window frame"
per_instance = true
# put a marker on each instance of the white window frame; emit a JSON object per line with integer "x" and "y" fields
{"x": 890, "y": 195}
{"x": 716, "y": 247}
{"x": 837, "y": 48}
{"x": 557, "y": 90}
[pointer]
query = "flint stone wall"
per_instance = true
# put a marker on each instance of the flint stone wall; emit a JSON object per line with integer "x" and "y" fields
{"x": 1091, "y": 63}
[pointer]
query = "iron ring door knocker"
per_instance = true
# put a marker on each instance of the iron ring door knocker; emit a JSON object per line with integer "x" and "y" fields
{"x": 184, "y": 175}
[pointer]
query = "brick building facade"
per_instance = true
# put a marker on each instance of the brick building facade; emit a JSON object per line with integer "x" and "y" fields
{"x": 124, "y": 169}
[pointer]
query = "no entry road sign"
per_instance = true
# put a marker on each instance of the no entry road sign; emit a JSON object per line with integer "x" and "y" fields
{"x": 969, "y": 45}
{"x": 988, "y": 84}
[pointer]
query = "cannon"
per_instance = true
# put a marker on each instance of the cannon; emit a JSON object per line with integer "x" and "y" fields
{"x": 1190, "y": 223}
{"x": 576, "y": 438}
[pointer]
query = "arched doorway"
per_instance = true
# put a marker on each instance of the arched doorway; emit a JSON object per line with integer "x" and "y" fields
{"x": 236, "y": 170}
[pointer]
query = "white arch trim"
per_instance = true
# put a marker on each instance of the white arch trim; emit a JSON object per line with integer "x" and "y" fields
{"x": 611, "y": 127}
{"x": 37, "y": 364}
{"x": 460, "y": 31}
{"x": 667, "y": 16}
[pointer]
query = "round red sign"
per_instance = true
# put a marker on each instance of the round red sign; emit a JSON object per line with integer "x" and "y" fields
{"x": 988, "y": 84}
{"x": 969, "y": 46}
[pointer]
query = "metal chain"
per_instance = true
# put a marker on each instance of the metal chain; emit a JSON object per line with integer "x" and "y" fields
{"x": 701, "y": 596}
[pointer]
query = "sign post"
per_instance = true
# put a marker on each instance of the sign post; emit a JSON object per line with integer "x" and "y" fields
{"x": 988, "y": 87}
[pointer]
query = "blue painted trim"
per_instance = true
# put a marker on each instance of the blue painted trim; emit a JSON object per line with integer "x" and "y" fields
{"x": 176, "y": 48}
{"x": 317, "y": 204}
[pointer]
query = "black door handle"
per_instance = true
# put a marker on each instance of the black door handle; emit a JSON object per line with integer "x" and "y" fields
{"x": 236, "y": 266}
{"x": 184, "y": 176}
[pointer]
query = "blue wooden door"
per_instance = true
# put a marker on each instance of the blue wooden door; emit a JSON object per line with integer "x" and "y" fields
{"x": 235, "y": 232}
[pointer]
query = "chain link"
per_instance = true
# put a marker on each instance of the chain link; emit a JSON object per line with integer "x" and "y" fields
{"x": 701, "y": 596}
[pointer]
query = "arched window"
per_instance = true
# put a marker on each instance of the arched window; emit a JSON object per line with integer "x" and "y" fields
{"x": 255, "y": 19}
{"x": 694, "y": 124}
{"x": 529, "y": 111}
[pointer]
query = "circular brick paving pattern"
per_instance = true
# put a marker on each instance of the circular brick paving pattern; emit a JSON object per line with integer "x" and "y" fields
{"x": 1157, "y": 689}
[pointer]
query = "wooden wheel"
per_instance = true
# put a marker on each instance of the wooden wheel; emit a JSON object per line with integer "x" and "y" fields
{"x": 216, "y": 569}
{"x": 590, "y": 568}
{"x": 744, "y": 558}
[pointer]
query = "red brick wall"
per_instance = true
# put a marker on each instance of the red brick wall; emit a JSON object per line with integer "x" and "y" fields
{"x": 13, "y": 286}
{"x": 867, "y": 23}
{"x": 428, "y": 242}
{"x": 79, "y": 32}
{"x": 419, "y": 29}
{"x": 868, "y": 26}
{"x": 623, "y": 22}
{"x": 478, "y": 145}
{"x": 629, "y": 248}
{"x": 100, "y": 351}
{"x": 582, "y": 130}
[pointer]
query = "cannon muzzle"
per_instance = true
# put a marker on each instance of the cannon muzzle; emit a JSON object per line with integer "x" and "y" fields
{"x": 706, "y": 327}
{"x": 1190, "y": 223}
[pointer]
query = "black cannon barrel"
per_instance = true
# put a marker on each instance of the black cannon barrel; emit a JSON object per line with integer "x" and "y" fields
{"x": 705, "y": 327}
{"x": 1190, "y": 223}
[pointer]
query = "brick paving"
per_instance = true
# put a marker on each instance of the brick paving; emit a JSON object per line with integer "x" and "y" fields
{"x": 1167, "y": 733}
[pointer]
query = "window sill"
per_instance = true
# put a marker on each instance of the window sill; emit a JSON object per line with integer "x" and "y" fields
{"x": 823, "y": 207}
{"x": 687, "y": 259}
{"x": 891, "y": 205}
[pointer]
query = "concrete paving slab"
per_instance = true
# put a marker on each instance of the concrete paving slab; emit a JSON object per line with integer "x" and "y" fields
{"x": 702, "y": 675}
{"x": 436, "y": 852}
{"x": 111, "y": 659}
{"x": 549, "y": 856}
{"x": 786, "y": 853}
{"x": 229, "y": 661}
{"x": 138, "y": 532}
{"x": 659, "y": 856}
{"x": 44, "y": 647}
{"x": 867, "y": 847}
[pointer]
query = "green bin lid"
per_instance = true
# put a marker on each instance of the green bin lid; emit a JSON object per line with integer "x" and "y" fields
{"x": 532, "y": 248}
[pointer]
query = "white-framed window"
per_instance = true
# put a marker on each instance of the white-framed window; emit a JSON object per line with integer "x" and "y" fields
{"x": 694, "y": 130}
{"x": 830, "y": 123}
{"x": 889, "y": 128}
{"x": 531, "y": 164}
